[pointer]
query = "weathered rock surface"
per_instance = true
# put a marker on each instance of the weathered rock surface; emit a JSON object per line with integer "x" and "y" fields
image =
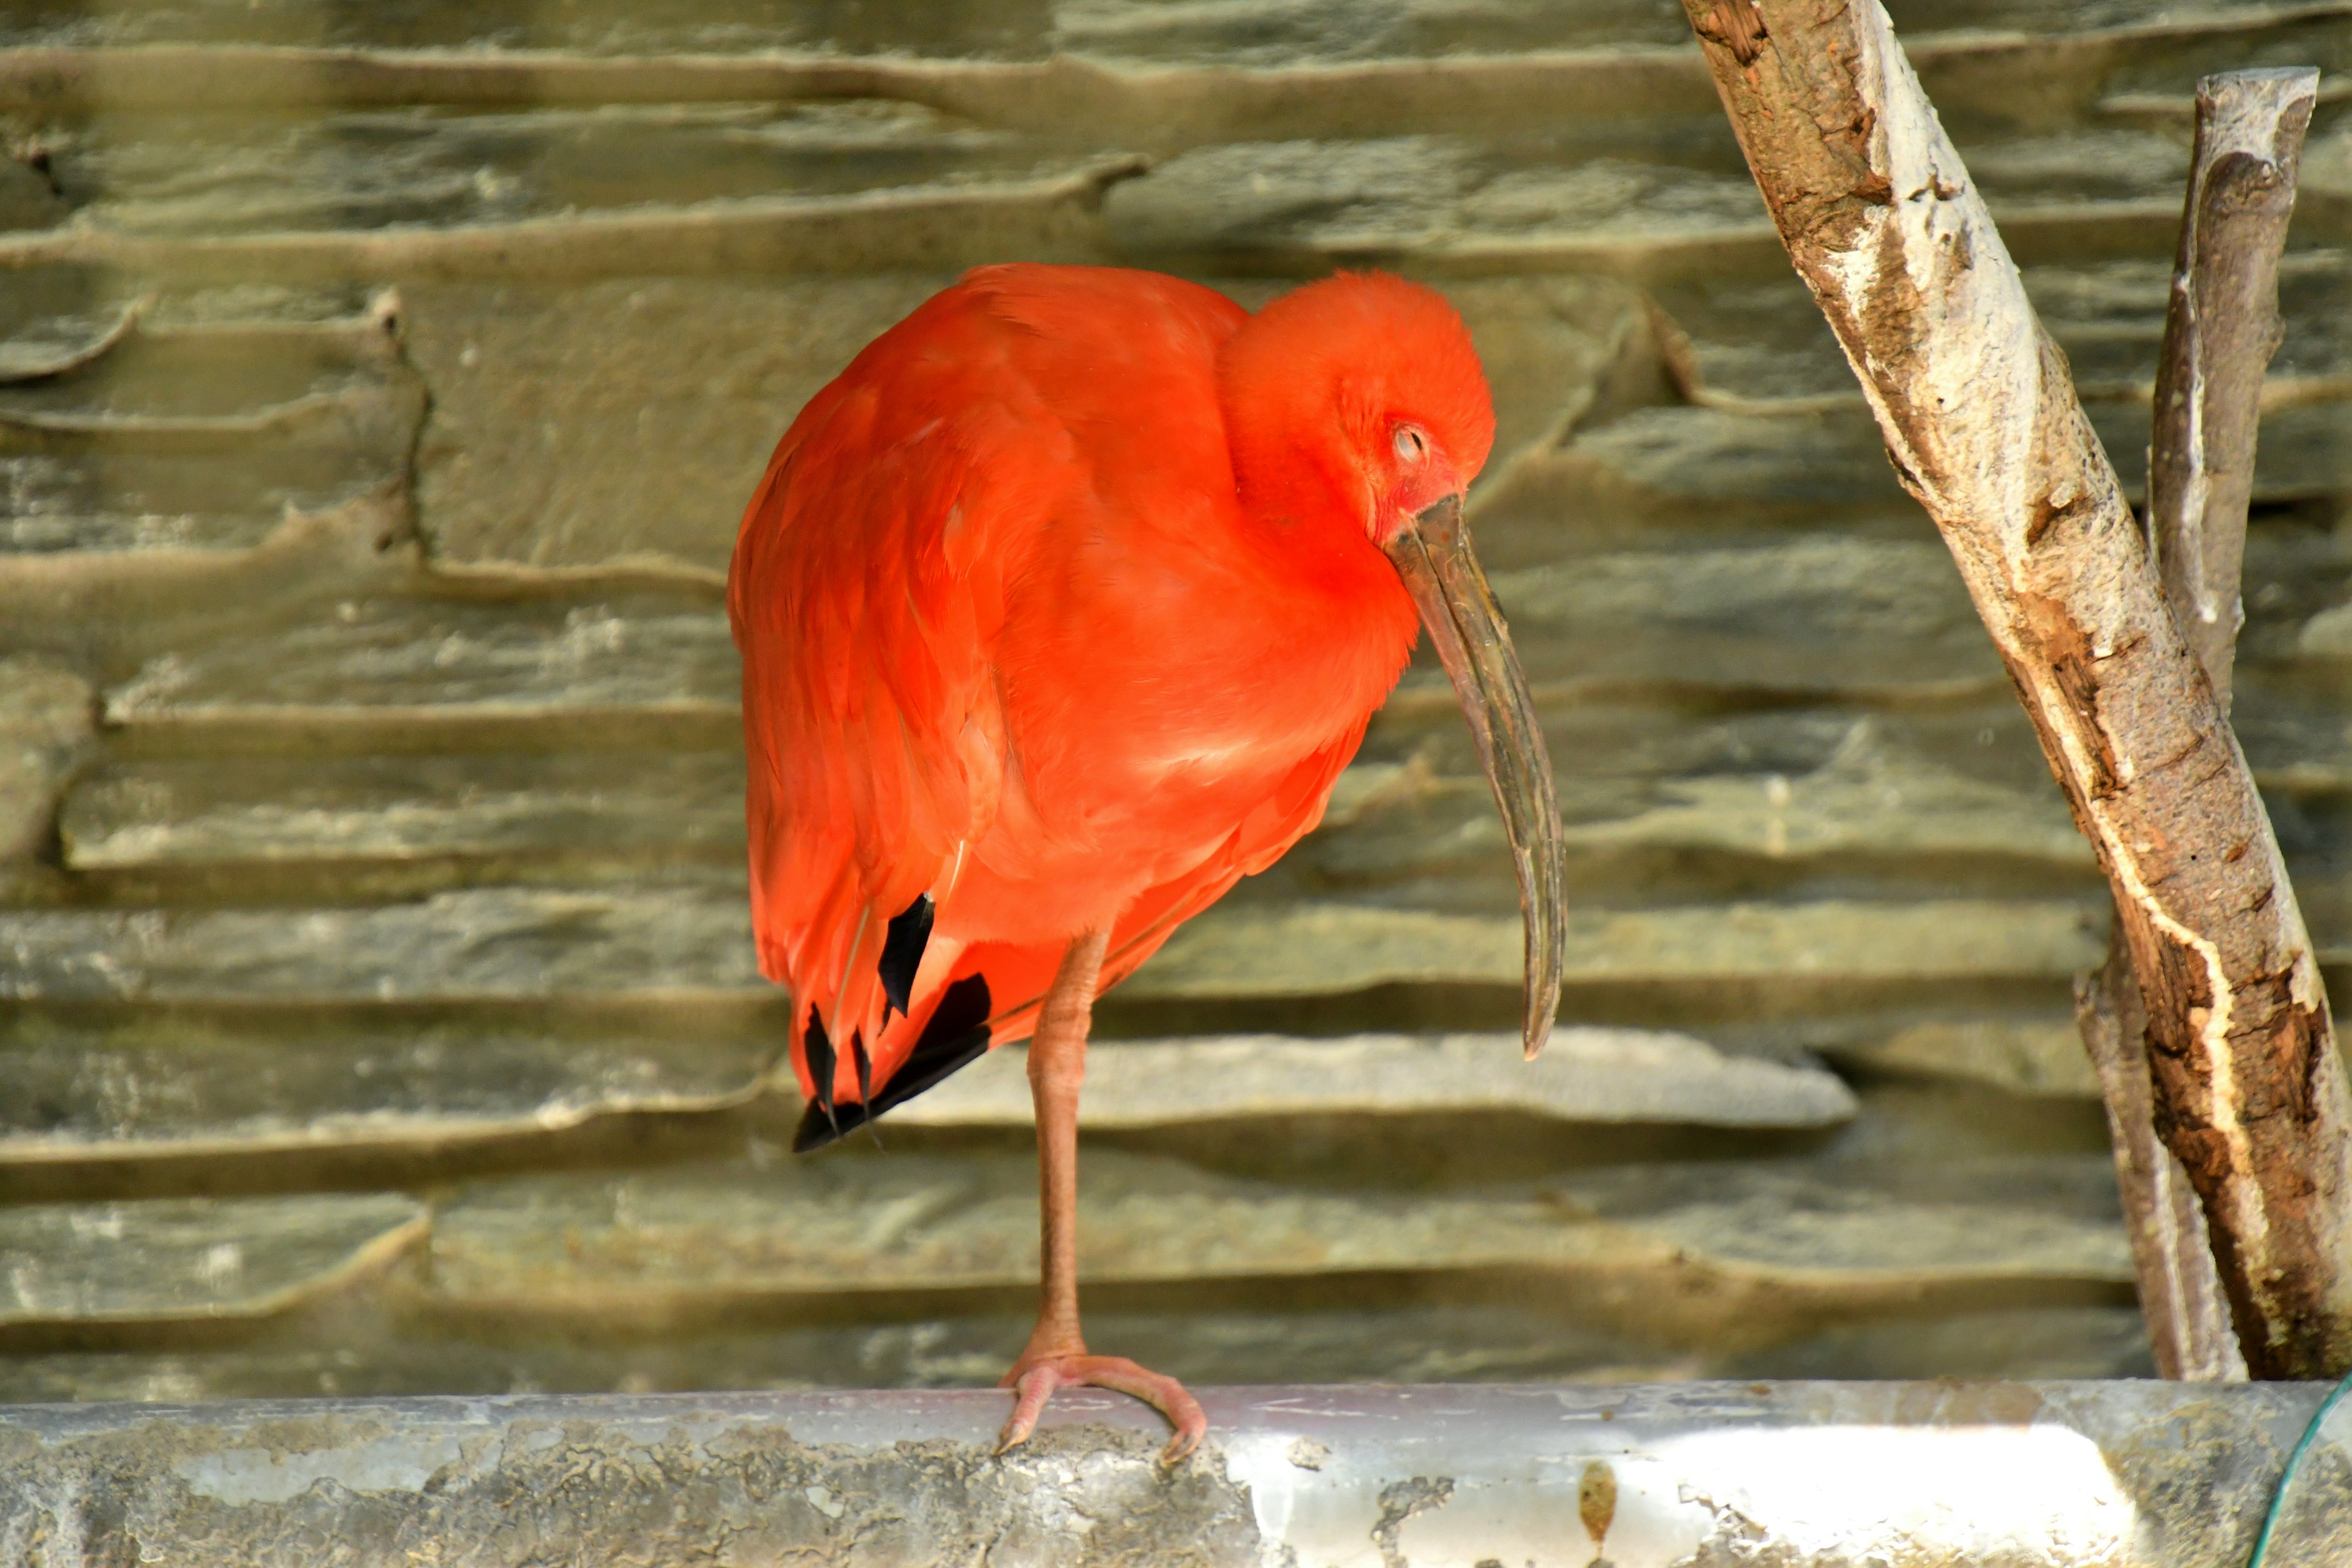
{"x": 201, "y": 433}
{"x": 48, "y": 721}
{"x": 1868, "y": 798}
{"x": 176, "y": 1086}
{"x": 376, "y": 669}
{"x": 692, "y": 1239}
{"x": 1585, "y": 1074}
{"x": 1402, "y": 1343}
{"x": 410, "y": 830}
{"x": 718, "y": 369}
{"x": 191, "y": 1259}
{"x": 2031, "y": 1058}
{"x": 1314, "y": 947}
{"x": 490, "y": 942}
{"x": 516, "y": 943}
{"x": 574, "y": 806}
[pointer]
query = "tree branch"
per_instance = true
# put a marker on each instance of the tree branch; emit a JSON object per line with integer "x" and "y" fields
{"x": 1884, "y": 224}
{"x": 2179, "y": 1292}
{"x": 2220, "y": 331}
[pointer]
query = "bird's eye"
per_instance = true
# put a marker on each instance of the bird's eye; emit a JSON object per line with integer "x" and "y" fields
{"x": 1409, "y": 444}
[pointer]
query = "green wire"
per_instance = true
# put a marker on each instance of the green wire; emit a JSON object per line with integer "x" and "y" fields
{"x": 2294, "y": 1462}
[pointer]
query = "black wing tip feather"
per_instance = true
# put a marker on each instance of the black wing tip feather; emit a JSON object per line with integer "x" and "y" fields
{"x": 955, "y": 1038}
{"x": 817, "y": 1047}
{"x": 902, "y": 951}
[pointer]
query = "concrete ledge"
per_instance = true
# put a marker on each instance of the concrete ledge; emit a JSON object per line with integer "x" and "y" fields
{"x": 1889, "y": 1474}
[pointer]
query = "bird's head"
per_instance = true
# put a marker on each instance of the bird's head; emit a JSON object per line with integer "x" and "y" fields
{"x": 1358, "y": 403}
{"x": 1359, "y": 400}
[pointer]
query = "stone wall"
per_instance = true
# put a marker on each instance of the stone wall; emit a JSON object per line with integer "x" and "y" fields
{"x": 377, "y": 1012}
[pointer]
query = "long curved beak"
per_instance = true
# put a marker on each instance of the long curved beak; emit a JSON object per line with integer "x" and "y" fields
{"x": 1432, "y": 555}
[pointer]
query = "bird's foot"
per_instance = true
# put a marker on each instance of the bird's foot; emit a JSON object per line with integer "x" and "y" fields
{"x": 1034, "y": 1379}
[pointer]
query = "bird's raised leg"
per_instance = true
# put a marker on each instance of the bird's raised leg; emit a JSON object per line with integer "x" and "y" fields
{"x": 1057, "y": 1354}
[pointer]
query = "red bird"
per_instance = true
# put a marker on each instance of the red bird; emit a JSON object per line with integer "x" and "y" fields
{"x": 1061, "y": 610}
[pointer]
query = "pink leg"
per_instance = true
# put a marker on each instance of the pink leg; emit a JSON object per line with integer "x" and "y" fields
{"x": 1057, "y": 1353}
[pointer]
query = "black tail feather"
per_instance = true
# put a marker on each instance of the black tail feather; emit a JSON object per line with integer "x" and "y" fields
{"x": 956, "y": 1036}
{"x": 902, "y": 953}
{"x": 818, "y": 1048}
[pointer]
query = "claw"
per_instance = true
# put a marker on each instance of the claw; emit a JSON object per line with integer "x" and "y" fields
{"x": 1033, "y": 1385}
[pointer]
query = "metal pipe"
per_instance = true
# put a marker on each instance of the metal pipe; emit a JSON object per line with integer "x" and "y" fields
{"x": 2046, "y": 1474}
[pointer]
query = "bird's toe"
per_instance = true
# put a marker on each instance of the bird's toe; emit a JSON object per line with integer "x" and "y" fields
{"x": 1034, "y": 1384}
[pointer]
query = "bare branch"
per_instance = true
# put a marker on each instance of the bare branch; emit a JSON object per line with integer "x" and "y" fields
{"x": 2220, "y": 331}
{"x": 2179, "y": 1292}
{"x": 1885, "y": 226}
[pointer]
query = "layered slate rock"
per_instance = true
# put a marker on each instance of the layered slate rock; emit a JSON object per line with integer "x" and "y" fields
{"x": 1404, "y": 1343}
{"x": 229, "y": 817}
{"x": 478, "y": 944}
{"x": 379, "y": 395}
{"x": 182, "y": 424}
{"x": 1729, "y": 1237}
{"x": 1243, "y": 951}
{"x": 696, "y": 379}
{"x": 369, "y": 671}
{"x": 171, "y": 1260}
{"x": 46, "y": 724}
{"x": 516, "y": 943}
{"x": 151, "y": 1086}
{"x": 1585, "y": 1074}
{"x": 2030, "y": 1057}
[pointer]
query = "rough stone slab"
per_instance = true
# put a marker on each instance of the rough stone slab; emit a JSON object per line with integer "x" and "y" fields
{"x": 2040, "y": 1059}
{"x": 214, "y": 812}
{"x": 1876, "y": 803}
{"x": 177, "y": 1087}
{"x": 560, "y": 412}
{"x": 1820, "y": 612}
{"x": 47, "y": 723}
{"x": 1295, "y": 199}
{"x": 629, "y": 418}
{"x": 170, "y": 372}
{"x": 1349, "y": 66}
{"x": 1398, "y": 1344}
{"x": 518, "y": 943}
{"x": 150, "y": 502}
{"x": 2134, "y": 1475}
{"x": 1310, "y": 948}
{"x": 384, "y": 663}
{"x": 693, "y": 1238}
{"x": 174, "y": 436}
{"x": 484, "y": 944}
{"x": 1869, "y": 797}
{"x": 370, "y": 169}
{"x": 2056, "y": 1215}
{"x": 1421, "y": 1344}
{"x": 1585, "y": 1074}
{"x": 106, "y": 611}
{"x": 920, "y": 227}
{"x": 189, "y": 1259}
{"x": 1513, "y": 202}
{"x": 319, "y": 821}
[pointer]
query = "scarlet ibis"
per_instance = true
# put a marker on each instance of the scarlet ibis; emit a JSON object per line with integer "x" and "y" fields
{"x": 1061, "y": 610}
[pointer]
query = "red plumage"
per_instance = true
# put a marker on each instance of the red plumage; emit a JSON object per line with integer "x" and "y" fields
{"x": 1061, "y": 610}
{"x": 1014, "y": 635}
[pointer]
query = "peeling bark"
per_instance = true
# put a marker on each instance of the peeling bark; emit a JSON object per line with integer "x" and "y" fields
{"x": 1981, "y": 421}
